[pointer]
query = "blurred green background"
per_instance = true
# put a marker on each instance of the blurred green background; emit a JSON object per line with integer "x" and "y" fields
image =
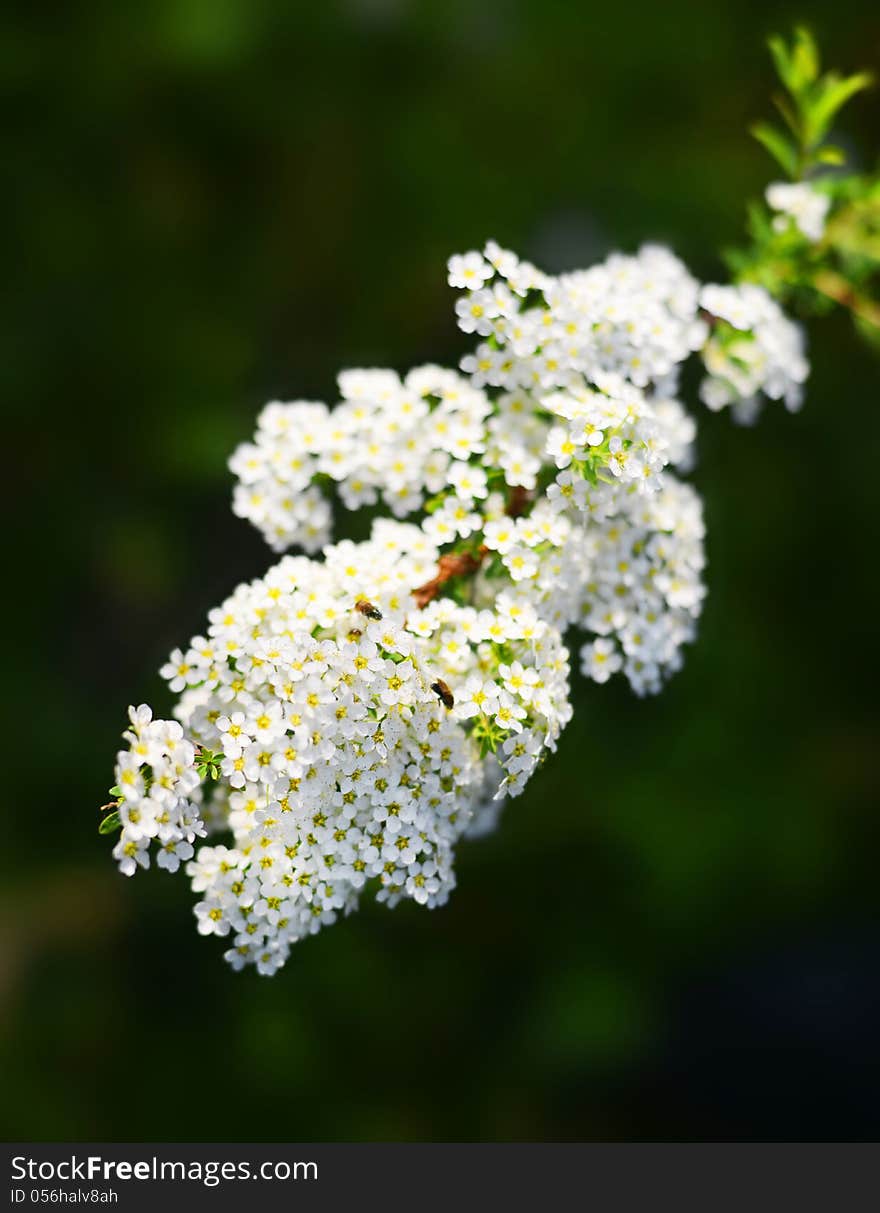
{"x": 676, "y": 933}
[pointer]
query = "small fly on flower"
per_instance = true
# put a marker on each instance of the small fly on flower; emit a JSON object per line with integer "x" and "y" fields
{"x": 443, "y": 693}
{"x": 367, "y": 609}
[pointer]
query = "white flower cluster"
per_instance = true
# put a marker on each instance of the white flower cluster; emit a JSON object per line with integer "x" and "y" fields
{"x": 638, "y": 588}
{"x": 360, "y": 738}
{"x": 578, "y": 446}
{"x": 754, "y": 350}
{"x": 798, "y": 203}
{"x": 159, "y": 791}
{"x": 635, "y": 317}
{"x": 387, "y": 440}
{"x": 354, "y": 716}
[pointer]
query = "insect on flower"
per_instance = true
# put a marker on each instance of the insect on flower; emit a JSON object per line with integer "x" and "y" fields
{"x": 367, "y": 609}
{"x": 443, "y": 693}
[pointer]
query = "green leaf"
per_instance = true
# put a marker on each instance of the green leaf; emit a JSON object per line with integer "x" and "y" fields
{"x": 833, "y": 95}
{"x": 116, "y": 790}
{"x": 792, "y": 119}
{"x": 784, "y": 67}
{"x": 778, "y": 145}
{"x": 804, "y": 58}
{"x": 829, "y": 154}
{"x": 759, "y": 221}
{"x": 433, "y": 504}
{"x": 797, "y": 66}
{"x": 111, "y": 823}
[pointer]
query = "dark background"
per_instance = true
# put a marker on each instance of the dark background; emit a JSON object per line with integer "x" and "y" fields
{"x": 676, "y": 933}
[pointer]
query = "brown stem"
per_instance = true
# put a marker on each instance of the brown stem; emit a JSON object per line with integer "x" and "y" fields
{"x": 452, "y": 564}
{"x": 835, "y": 286}
{"x": 465, "y": 564}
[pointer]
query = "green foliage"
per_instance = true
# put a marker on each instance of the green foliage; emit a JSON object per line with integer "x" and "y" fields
{"x": 110, "y": 824}
{"x": 812, "y": 102}
{"x": 841, "y": 268}
{"x": 488, "y": 735}
{"x": 208, "y": 763}
{"x": 781, "y": 148}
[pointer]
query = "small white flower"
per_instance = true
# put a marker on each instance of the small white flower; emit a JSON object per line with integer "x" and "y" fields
{"x": 468, "y": 271}
{"x": 802, "y": 204}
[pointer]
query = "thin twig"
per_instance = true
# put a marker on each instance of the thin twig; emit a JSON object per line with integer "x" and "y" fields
{"x": 835, "y": 286}
{"x": 452, "y": 564}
